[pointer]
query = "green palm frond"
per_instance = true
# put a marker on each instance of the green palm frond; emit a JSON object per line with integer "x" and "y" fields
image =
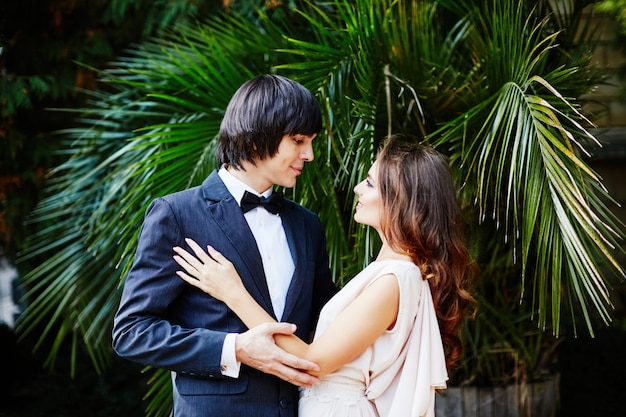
{"x": 519, "y": 149}
{"x": 160, "y": 393}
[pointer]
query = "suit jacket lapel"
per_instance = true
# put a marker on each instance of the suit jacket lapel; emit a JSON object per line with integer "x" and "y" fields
{"x": 242, "y": 251}
{"x": 296, "y": 238}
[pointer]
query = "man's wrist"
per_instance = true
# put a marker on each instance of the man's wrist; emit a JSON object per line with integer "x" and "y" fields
{"x": 229, "y": 365}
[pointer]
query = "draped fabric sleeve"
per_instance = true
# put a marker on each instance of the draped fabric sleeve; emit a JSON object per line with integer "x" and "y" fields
{"x": 407, "y": 387}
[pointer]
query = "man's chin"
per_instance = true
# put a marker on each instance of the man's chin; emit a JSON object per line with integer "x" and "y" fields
{"x": 287, "y": 184}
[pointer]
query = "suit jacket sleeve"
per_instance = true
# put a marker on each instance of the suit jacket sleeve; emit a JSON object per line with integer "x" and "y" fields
{"x": 157, "y": 322}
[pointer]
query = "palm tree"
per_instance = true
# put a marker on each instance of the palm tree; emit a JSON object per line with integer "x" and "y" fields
{"x": 492, "y": 84}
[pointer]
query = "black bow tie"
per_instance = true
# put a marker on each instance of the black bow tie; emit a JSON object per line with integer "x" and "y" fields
{"x": 271, "y": 204}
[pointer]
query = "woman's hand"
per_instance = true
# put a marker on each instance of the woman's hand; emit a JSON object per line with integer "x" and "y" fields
{"x": 209, "y": 271}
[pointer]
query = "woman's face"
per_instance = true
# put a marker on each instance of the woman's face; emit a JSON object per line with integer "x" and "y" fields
{"x": 369, "y": 205}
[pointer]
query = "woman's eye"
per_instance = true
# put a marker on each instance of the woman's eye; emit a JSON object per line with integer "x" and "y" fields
{"x": 368, "y": 183}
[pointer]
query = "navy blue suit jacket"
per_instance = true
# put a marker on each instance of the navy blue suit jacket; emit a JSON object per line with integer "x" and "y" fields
{"x": 164, "y": 322}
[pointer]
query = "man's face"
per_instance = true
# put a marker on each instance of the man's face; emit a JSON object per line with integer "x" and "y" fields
{"x": 284, "y": 167}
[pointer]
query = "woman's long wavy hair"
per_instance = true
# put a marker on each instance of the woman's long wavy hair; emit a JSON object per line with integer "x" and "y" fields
{"x": 421, "y": 217}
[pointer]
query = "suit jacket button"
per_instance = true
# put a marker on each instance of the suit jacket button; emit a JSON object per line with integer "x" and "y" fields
{"x": 284, "y": 403}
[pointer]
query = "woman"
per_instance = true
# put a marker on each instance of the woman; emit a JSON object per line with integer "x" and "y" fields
{"x": 380, "y": 341}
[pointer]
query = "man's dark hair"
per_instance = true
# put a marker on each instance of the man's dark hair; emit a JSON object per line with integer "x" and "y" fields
{"x": 260, "y": 113}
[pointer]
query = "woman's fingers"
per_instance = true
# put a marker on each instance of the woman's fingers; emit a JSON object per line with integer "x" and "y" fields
{"x": 200, "y": 259}
{"x": 217, "y": 256}
{"x": 208, "y": 271}
{"x": 200, "y": 253}
{"x": 186, "y": 260}
{"x": 211, "y": 256}
{"x": 189, "y": 279}
{"x": 200, "y": 284}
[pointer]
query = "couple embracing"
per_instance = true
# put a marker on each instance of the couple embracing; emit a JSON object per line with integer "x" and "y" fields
{"x": 230, "y": 288}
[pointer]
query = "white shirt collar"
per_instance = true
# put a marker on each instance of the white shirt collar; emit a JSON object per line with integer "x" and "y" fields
{"x": 236, "y": 187}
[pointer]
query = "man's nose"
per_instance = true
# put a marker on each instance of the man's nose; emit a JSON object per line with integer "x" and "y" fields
{"x": 307, "y": 154}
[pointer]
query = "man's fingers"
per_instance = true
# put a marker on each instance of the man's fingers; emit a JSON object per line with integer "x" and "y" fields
{"x": 287, "y": 358}
{"x": 298, "y": 363}
{"x": 304, "y": 380}
{"x": 301, "y": 379}
{"x": 257, "y": 348}
{"x": 283, "y": 369}
{"x": 279, "y": 328}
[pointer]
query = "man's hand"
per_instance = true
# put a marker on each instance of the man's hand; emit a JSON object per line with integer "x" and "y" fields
{"x": 256, "y": 348}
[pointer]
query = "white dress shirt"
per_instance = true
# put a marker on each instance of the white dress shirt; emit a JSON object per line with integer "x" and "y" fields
{"x": 278, "y": 265}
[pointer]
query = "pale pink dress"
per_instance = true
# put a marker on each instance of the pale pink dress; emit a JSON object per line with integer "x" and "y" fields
{"x": 397, "y": 375}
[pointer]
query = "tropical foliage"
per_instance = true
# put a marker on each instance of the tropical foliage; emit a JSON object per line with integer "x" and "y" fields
{"x": 40, "y": 43}
{"x": 491, "y": 84}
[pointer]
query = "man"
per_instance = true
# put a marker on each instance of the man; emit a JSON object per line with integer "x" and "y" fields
{"x": 219, "y": 367}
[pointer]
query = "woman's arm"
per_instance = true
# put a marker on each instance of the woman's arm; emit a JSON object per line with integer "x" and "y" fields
{"x": 356, "y": 327}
